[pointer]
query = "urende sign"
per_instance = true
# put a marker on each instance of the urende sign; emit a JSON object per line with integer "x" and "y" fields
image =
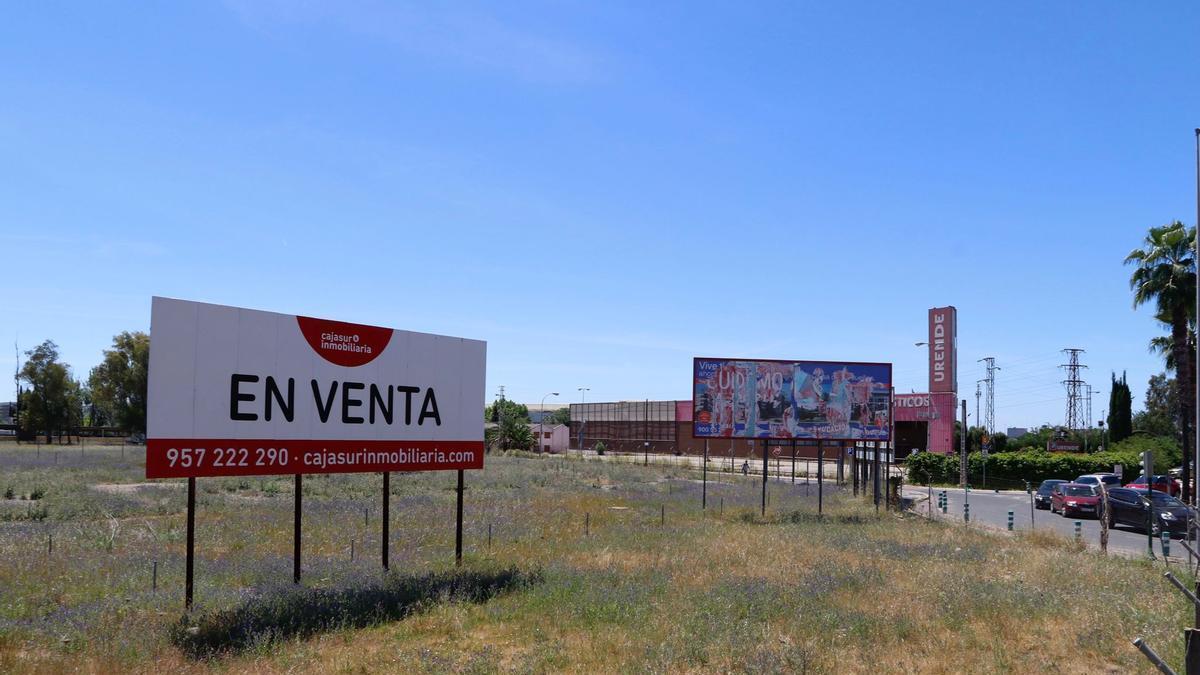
{"x": 943, "y": 349}
{"x": 242, "y": 392}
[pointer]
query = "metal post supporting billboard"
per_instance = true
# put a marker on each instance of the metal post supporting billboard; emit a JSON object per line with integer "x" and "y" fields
{"x": 875, "y": 474}
{"x": 820, "y": 477}
{"x": 387, "y": 505}
{"x": 296, "y": 530}
{"x": 854, "y": 468}
{"x": 866, "y": 469}
{"x": 458, "y": 522}
{"x": 793, "y": 461}
{"x": 704, "y": 473}
{"x": 891, "y": 443}
{"x": 764, "y": 485}
{"x": 887, "y": 477}
{"x": 191, "y": 543}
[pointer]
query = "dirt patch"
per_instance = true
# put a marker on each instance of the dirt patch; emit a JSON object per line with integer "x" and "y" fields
{"x": 133, "y": 488}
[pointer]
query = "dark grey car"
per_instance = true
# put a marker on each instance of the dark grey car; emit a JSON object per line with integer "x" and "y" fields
{"x": 1041, "y": 498}
{"x": 1128, "y": 506}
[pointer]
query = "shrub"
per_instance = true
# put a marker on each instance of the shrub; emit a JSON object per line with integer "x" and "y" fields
{"x": 601, "y": 448}
{"x": 931, "y": 467}
{"x": 302, "y": 612}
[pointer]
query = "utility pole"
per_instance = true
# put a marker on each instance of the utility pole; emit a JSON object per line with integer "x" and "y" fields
{"x": 1074, "y": 386}
{"x": 500, "y": 420}
{"x": 962, "y": 462}
{"x": 1087, "y": 423}
{"x": 15, "y": 411}
{"x": 1196, "y": 375}
{"x": 977, "y": 382}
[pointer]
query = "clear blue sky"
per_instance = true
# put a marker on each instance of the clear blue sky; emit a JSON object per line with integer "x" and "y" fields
{"x": 603, "y": 190}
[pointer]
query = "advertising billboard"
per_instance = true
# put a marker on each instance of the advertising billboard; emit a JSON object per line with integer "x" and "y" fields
{"x": 943, "y": 349}
{"x": 242, "y": 392}
{"x": 829, "y": 400}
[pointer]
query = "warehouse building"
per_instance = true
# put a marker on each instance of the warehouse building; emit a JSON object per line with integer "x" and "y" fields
{"x": 665, "y": 427}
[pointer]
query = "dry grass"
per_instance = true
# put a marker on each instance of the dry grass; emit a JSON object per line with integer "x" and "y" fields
{"x": 702, "y": 593}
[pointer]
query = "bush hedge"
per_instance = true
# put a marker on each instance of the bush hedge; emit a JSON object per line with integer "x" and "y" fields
{"x": 1012, "y": 469}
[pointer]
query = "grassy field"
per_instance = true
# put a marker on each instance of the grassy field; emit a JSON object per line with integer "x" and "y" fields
{"x": 722, "y": 591}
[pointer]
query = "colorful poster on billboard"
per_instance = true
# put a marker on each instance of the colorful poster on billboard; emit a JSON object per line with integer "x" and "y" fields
{"x": 826, "y": 400}
{"x": 236, "y": 392}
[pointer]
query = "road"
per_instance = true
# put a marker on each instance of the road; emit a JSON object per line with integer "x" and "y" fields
{"x": 991, "y": 509}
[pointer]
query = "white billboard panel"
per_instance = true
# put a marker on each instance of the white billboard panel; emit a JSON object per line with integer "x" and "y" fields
{"x": 239, "y": 392}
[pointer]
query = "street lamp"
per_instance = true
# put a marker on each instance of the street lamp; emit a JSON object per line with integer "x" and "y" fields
{"x": 542, "y": 419}
{"x": 929, "y": 431}
{"x": 583, "y": 413}
{"x": 933, "y": 413}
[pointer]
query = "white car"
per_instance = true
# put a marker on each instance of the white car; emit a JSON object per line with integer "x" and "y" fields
{"x": 1110, "y": 480}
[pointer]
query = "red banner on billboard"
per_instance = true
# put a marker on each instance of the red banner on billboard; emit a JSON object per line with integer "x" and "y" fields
{"x": 943, "y": 349}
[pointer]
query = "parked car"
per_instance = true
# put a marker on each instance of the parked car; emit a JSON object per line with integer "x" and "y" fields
{"x": 1128, "y": 506}
{"x": 1110, "y": 480}
{"x": 1160, "y": 483}
{"x": 1074, "y": 499}
{"x": 1041, "y": 498}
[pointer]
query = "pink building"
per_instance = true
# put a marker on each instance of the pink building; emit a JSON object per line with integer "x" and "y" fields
{"x": 551, "y": 437}
{"x": 924, "y": 422}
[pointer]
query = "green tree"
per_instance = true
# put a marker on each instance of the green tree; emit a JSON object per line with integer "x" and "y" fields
{"x": 54, "y": 400}
{"x": 511, "y": 434}
{"x": 1165, "y": 275}
{"x": 559, "y": 416}
{"x": 1161, "y": 414}
{"x": 1120, "y": 410}
{"x": 506, "y": 410}
{"x": 118, "y": 384}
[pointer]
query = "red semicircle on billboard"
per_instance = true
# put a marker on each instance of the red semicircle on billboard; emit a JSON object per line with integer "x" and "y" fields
{"x": 344, "y": 344}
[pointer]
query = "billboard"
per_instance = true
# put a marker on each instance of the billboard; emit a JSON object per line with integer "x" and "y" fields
{"x": 241, "y": 392}
{"x": 943, "y": 349}
{"x": 829, "y": 400}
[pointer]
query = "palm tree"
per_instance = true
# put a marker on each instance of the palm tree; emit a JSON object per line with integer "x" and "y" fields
{"x": 1166, "y": 275}
{"x": 1163, "y": 345}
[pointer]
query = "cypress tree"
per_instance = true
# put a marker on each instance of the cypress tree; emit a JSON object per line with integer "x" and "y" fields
{"x": 1120, "y": 410}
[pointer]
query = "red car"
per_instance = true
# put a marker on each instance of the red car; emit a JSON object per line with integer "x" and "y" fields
{"x": 1162, "y": 483}
{"x": 1074, "y": 499}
